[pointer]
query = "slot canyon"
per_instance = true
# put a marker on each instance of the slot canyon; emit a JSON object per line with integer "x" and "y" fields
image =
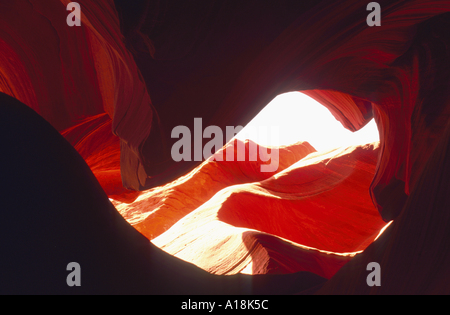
{"x": 86, "y": 115}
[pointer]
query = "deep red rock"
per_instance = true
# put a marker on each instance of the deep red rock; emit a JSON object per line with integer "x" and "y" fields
{"x": 155, "y": 65}
{"x": 100, "y": 148}
{"x": 412, "y": 252}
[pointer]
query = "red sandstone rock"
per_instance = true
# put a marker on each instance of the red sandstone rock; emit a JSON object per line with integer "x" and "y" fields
{"x": 159, "y": 208}
{"x": 313, "y": 216}
{"x": 66, "y": 217}
{"x": 69, "y": 73}
{"x": 412, "y": 252}
{"x": 95, "y": 142}
{"x": 213, "y": 61}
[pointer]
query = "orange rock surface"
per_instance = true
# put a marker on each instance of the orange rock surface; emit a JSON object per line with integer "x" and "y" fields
{"x": 313, "y": 216}
{"x": 116, "y": 86}
{"x": 159, "y": 208}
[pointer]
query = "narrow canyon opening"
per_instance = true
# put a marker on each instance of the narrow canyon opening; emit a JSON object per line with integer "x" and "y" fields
{"x": 299, "y": 117}
{"x": 293, "y": 219}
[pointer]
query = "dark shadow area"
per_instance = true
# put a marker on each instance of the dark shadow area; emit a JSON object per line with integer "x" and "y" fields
{"x": 55, "y": 212}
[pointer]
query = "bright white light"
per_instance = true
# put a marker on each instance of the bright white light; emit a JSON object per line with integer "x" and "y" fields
{"x": 300, "y": 118}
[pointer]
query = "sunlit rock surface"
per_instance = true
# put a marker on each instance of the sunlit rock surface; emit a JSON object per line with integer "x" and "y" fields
{"x": 79, "y": 224}
{"x": 124, "y": 79}
{"x": 313, "y": 216}
{"x": 158, "y": 209}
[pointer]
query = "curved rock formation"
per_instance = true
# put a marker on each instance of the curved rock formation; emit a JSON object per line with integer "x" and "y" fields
{"x": 62, "y": 221}
{"x": 158, "y": 209}
{"x": 100, "y": 148}
{"x": 313, "y": 216}
{"x": 134, "y": 72}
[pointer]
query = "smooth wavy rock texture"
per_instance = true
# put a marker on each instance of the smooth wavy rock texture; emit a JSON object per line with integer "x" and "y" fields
{"x": 158, "y": 209}
{"x": 296, "y": 220}
{"x": 87, "y": 112}
{"x": 100, "y": 148}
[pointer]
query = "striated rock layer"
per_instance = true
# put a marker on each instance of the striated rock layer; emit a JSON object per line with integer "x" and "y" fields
{"x": 62, "y": 221}
{"x": 313, "y": 216}
{"x": 158, "y": 209}
{"x": 412, "y": 252}
{"x": 100, "y": 148}
{"x": 136, "y": 71}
